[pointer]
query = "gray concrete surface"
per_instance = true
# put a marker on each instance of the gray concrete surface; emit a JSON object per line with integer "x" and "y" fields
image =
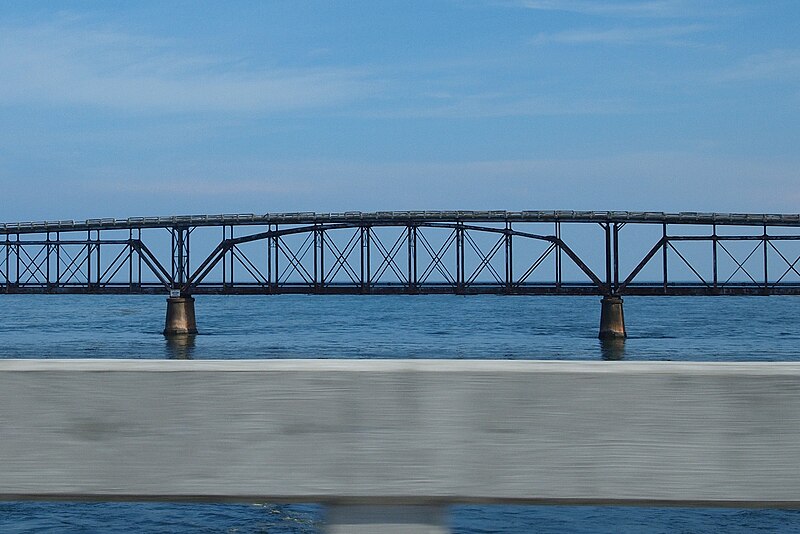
{"x": 383, "y": 519}
{"x": 400, "y": 432}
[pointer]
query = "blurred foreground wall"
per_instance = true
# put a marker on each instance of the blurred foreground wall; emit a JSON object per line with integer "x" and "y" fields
{"x": 400, "y": 432}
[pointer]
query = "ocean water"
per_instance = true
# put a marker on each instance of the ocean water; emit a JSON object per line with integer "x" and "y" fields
{"x": 493, "y": 327}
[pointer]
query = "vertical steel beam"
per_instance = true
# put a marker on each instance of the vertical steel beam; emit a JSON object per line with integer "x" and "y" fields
{"x": 17, "y": 251}
{"x": 316, "y": 259}
{"x": 47, "y": 261}
{"x": 462, "y": 262}
{"x": 269, "y": 260}
{"x": 180, "y": 255}
{"x": 97, "y": 254}
{"x": 172, "y": 249}
{"x": 714, "y": 243}
{"x": 231, "y": 259}
{"x": 664, "y": 256}
{"x": 411, "y": 232}
{"x": 766, "y": 270}
{"x": 410, "y": 254}
{"x": 368, "y": 258}
{"x": 139, "y": 256}
{"x": 58, "y": 259}
{"x": 8, "y": 263}
{"x": 130, "y": 260}
{"x": 607, "y": 228}
{"x": 277, "y": 254}
{"x": 558, "y": 255}
{"x": 178, "y": 240}
{"x": 321, "y": 232}
{"x": 8, "y": 266}
{"x": 187, "y": 256}
{"x": 89, "y": 259}
{"x": 509, "y": 258}
{"x": 415, "y": 263}
{"x": 224, "y": 262}
{"x": 365, "y": 263}
{"x": 361, "y": 256}
{"x": 460, "y": 275}
{"x": 616, "y": 257}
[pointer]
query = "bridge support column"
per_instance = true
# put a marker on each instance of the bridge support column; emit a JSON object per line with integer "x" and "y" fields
{"x": 386, "y": 519}
{"x": 180, "y": 316}
{"x": 612, "y": 318}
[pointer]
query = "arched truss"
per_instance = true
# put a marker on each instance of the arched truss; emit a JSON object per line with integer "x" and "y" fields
{"x": 401, "y": 257}
{"x": 413, "y": 252}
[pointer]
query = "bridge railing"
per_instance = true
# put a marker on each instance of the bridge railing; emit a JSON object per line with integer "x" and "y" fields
{"x": 393, "y": 441}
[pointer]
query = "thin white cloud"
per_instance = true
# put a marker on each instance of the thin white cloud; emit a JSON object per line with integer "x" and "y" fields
{"x": 493, "y": 106}
{"x": 69, "y": 63}
{"x": 693, "y": 180}
{"x": 655, "y": 35}
{"x": 637, "y": 9}
{"x": 61, "y": 64}
{"x": 650, "y": 9}
{"x": 652, "y": 180}
{"x": 203, "y": 187}
{"x": 772, "y": 65}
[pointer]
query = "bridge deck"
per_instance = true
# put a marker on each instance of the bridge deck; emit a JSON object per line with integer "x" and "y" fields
{"x": 573, "y": 289}
{"x": 403, "y": 217}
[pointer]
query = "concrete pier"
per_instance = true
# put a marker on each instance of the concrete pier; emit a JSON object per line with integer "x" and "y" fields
{"x": 180, "y": 316}
{"x": 612, "y": 318}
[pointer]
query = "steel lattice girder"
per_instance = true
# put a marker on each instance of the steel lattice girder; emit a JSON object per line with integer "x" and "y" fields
{"x": 398, "y": 252}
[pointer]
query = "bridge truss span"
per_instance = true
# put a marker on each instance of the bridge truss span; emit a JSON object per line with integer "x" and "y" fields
{"x": 498, "y": 252}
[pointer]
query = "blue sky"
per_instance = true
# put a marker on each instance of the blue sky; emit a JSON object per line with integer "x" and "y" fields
{"x": 152, "y": 108}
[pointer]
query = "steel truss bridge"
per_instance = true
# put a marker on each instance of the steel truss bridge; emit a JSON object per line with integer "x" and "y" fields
{"x": 461, "y": 252}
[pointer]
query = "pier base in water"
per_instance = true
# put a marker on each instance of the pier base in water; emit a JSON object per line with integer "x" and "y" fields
{"x": 180, "y": 316}
{"x": 612, "y": 318}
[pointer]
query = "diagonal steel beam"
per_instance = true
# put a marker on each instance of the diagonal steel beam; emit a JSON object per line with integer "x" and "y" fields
{"x": 486, "y": 259}
{"x": 688, "y": 264}
{"x": 388, "y": 258}
{"x": 436, "y": 258}
{"x": 535, "y": 265}
{"x": 636, "y": 270}
{"x": 341, "y": 258}
{"x": 153, "y": 264}
{"x": 740, "y": 265}
{"x": 791, "y": 265}
{"x": 296, "y": 260}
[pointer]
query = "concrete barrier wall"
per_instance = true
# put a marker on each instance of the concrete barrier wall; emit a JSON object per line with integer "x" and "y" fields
{"x": 390, "y": 432}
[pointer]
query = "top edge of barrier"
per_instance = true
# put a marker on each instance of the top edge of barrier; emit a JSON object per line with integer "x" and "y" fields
{"x": 788, "y": 369}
